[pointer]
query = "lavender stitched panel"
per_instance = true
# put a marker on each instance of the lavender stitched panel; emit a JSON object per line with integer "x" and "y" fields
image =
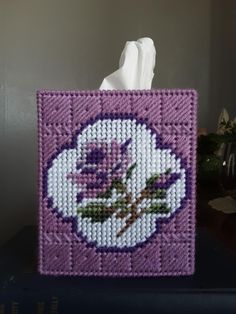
{"x": 117, "y": 182}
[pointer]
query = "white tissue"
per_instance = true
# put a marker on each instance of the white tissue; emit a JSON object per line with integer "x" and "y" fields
{"x": 136, "y": 67}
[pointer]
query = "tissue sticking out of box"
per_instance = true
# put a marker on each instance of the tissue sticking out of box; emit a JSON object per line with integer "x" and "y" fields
{"x": 136, "y": 67}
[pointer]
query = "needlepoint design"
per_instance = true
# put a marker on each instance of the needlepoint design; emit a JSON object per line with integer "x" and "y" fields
{"x": 116, "y": 182}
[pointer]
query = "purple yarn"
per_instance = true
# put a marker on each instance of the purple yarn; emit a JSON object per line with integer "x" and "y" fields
{"x": 96, "y": 156}
{"x": 79, "y": 197}
{"x": 165, "y": 184}
{"x": 170, "y": 251}
{"x": 88, "y": 170}
{"x": 125, "y": 145}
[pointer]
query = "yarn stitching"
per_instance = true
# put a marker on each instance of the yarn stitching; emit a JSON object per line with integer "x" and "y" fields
{"x": 111, "y": 181}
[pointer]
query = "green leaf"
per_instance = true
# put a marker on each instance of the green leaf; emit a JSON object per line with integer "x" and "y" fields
{"x": 118, "y": 185}
{"x": 97, "y": 212}
{"x": 152, "y": 180}
{"x": 159, "y": 194}
{"x": 158, "y": 209}
{"x": 120, "y": 204}
{"x": 130, "y": 170}
{"x": 168, "y": 171}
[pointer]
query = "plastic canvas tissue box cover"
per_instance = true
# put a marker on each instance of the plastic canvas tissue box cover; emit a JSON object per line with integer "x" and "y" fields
{"x": 117, "y": 182}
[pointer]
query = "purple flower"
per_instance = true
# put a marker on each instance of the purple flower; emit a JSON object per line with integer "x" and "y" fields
{"x": 101, "y": 163}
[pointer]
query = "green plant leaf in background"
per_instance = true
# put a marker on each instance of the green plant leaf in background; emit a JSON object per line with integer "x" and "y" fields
{"x": 228, "y": 127}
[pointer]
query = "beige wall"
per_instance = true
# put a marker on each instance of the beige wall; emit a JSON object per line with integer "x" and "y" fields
{"x": 222, "y": 67}
{"x": 73, "y": 44}
{"x": 229, "y": 56}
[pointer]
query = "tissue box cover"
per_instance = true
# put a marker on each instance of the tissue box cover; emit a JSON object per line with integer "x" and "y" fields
{"x": 117, "y": 182}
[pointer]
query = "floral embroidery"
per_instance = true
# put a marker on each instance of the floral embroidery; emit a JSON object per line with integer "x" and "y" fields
{"x": 102, "y": 164}
{"x": 117, "y": 182}
{"x": 101, "y": 172}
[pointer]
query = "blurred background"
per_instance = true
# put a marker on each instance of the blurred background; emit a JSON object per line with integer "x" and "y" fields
{"x": 74, "y": 44}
